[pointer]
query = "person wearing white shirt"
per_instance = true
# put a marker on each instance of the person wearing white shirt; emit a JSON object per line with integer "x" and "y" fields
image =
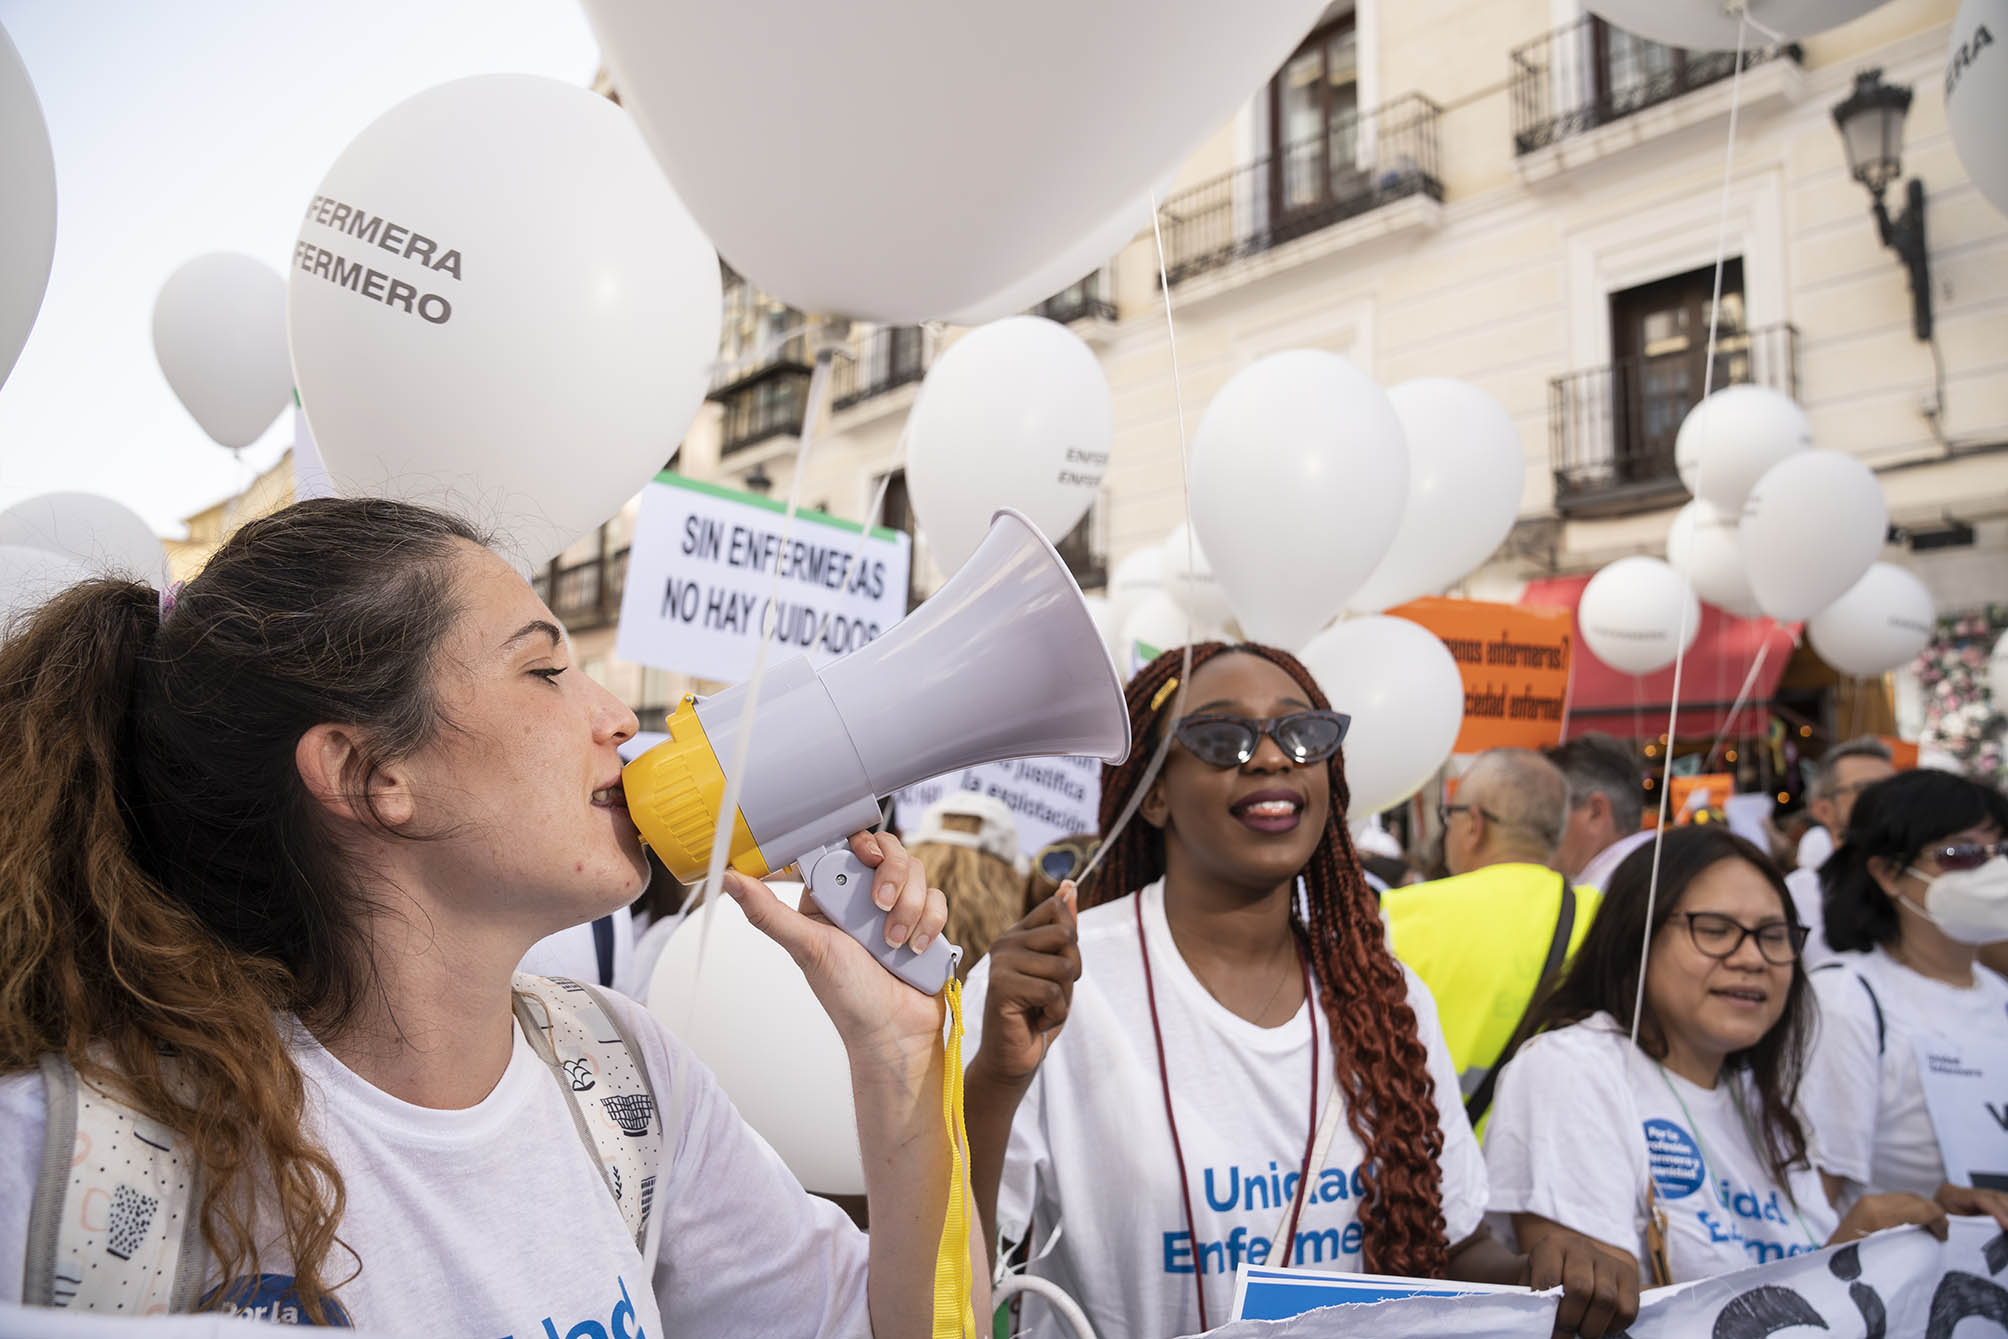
{"x": 1842, "y": 774}
{"x": 1917, "y": 886}
{"x": 1242, "y": 1073}
{"x": 1685, "y": 1152}
{"x": 1606, "y": 808}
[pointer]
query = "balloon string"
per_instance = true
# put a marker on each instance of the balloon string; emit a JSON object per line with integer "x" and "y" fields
{"x": 1742, "y": 694}
{"x": 1191, "y": 562}
{"x": 1680, "y": 643}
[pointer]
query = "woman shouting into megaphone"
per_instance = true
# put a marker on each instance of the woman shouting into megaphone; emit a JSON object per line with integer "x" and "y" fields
{"x": 1243, "y": 1072}
{"x": 271, "y": 846}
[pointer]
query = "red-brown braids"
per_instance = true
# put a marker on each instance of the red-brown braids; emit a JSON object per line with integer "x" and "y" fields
{"x": 1379, "y": 1062}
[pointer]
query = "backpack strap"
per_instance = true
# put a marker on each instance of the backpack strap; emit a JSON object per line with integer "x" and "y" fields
{"x": 112, "y": 1225}
{"x": 1875, "y": 1004}
{"x": 598, "y": 1067}
{"x": 1480, "y": 1101}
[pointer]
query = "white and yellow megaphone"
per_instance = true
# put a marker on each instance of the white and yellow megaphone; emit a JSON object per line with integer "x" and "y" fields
{"x": 1003, "y": 662}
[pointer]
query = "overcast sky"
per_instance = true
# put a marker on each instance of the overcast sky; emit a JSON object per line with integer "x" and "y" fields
{"x": 191, "y": 126}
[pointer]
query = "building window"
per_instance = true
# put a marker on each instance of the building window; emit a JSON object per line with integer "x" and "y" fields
{"x": 1314, "y": 120}
{"x": 896, "y": 513}
{"x": 1659, "y": 347}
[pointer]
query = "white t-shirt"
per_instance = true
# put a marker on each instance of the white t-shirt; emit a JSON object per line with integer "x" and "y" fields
{"x": 1090, "y": 1149}
{"x": 1582, "y": 1117}
{"x": 1804, "y": 886}
{"x": 1814, "y": 848}
{"x": 1878, "y": 1136}
{"x": 1597, "y": 874}
{"x": 494, "y": 1220}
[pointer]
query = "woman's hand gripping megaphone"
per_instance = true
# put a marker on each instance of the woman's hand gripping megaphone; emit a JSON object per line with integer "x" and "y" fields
{"x": 880, "y": 1017}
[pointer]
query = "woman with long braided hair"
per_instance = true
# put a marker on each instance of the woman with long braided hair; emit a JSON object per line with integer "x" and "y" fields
{"x": 1246, "y": 1074}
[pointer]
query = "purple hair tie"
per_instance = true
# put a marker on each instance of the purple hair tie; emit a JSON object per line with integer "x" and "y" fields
{"x": 169, "y": 595}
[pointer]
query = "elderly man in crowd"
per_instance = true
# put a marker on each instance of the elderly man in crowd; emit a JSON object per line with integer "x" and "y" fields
{"x": 1842, "y": 774}
{"x": 1485, "y": 938}
{"x": 1606, "y": 809}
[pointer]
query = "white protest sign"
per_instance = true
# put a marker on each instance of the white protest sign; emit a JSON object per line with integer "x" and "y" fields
{"x": 1050, "y": 798}
{"x": 1900, "y": 1282}
{"x": 702, "y": 564}
{"x": 1965, "y": 1084}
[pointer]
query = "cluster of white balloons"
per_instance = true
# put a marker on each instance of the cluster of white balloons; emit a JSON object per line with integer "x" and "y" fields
{"x": 53, "y": 541}
{"x": 1777, "y": 529}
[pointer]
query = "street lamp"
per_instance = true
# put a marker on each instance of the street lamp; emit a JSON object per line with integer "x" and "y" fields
{"x": 1871, "y": 125}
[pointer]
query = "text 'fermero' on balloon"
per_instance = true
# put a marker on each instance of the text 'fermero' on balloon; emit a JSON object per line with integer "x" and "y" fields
{"x": 368, "y": 229}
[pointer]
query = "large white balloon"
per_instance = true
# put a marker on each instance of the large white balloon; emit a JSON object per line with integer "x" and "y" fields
{"x": 27, "y": 205}
{"x": 1465, "y": 471}
{"x": 750, "y": 1016}
{"x": 1158, "y": 625}
{"x": 28, "y": 577}
{"x": 1729, "y": 440}
{"x": 1135, "y": 579}
{"x": 1063, "y": 270}
{"x": 962, "y": 178}
{"x": 1976, "y": 95}
{"x": 1880, "y": 624}
{"x": 498, "y": 305}
{"x": 1706, "y": 547}
{"x": 1299, "y": 478}
{"x": 1710, "y": 25}
{"x": 219, "y": 332}
{"x": 1189, "y": 580}
{"x": 1401, "y": 686}
{"x": 1015, "y": 414}
{"x": 103, "y": 537}
{"x": 1811, "y": 527}
{"x": 1638, "y": 614}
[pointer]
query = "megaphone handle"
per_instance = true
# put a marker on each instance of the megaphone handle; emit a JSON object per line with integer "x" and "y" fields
{"x": 842, "y": 887}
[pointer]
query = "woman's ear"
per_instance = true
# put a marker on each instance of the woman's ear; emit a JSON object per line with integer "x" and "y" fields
{"x": 330, "y": 758}
{"x": 1885, "y": 873}
{"x": 1155, "y": 809}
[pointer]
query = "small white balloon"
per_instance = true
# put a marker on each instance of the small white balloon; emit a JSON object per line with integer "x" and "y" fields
{"x": 1402, "y": 688}
{"x": 1976, "y": 95}
{"x": 103, "y": 537}
{"x": 29, "y": 577}
{"x": 1711, "y": 25}
{"x": 219, "y": 333}
{"x": 1637, "y": 615}
{"x": 27, "y": 205}
{"x": 1465, "y": 474}
{"x": 1155, "y": 626}
{"x": 1135, "y": 579}
{"x": 1189, "y": 579}
{"x": 1810, "y": 528}
{"x": 1728, "y": 441}
{"x": 1016, "y": 414}
{"x": 1880, "y": 624}
{"x": 1706, "y": 547}
{"x": 750, "y": 1016}
{"x": 1299, "y": 479}
{"x": 498, "y": 306}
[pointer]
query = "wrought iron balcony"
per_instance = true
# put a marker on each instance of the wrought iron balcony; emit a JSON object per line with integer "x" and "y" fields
{"x": 789, "y": 356}
{"x": 1611, "y": 429}
{"x": 1368, "y": 159}
{"x": 585, "y": 595}
{"x": 1590, "y": 74}
{"x": 887, "y": 358}
{"x": 1088, "y": 298}
{"x": 765, "y": 409}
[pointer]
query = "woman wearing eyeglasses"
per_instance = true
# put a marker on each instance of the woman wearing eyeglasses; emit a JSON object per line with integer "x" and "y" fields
{"x": 1908, "y": 1016}
{"x": 1686, "y": 1153}
{"x": 1245, "y": 1073}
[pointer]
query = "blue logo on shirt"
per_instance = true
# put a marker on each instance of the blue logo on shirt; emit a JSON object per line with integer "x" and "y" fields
{"x": 1675, "y": 1159}
{"x": 272, "y": 1298}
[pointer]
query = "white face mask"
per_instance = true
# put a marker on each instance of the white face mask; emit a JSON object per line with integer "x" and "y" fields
{"x": 1969, "y": 905}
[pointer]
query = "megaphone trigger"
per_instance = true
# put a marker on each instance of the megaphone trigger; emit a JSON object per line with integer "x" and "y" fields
{"x": 841, "y": 884}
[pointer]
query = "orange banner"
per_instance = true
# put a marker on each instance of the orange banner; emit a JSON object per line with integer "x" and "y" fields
{"x": 1515, "y": 663}
{"x": 1902, "y": 753}
{"x": 1690, "y": 793}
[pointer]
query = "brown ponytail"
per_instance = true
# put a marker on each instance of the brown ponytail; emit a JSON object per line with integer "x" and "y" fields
{"x": 1380, "y": 1064}
{"x": 167, "y": 890}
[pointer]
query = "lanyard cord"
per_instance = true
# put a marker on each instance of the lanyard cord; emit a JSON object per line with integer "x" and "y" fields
{"x": 1171, "y": 1119}
{"x": 1707, "y": 1163}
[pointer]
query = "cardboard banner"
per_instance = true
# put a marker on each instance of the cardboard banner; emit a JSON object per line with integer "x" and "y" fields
{"x": 1690, "y": 793}
{"x": 1515, "y": 663}
{"x": 702, "y": 564}
{"x": 1050, "y": 798}
{"x": 1899, "y": 1282}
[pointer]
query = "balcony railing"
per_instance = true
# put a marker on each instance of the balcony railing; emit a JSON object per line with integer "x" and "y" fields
{"x": 762, "y": 410}
{"x": 1369, "y": 159}
{"x": 790, "y": 355}
{"x": 1088, "y": 298}
{"x": 585, "y": 595}
{"x": 1590, "y": 74}
{"x": 888, "y": 358}
{"x": 1611, "y": 429}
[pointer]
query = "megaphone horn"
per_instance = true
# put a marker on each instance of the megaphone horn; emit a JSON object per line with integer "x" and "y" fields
{"x": 1003, "y": 662}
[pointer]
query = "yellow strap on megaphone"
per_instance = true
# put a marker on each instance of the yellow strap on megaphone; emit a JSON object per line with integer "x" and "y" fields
{"x": 954, "y": 1313}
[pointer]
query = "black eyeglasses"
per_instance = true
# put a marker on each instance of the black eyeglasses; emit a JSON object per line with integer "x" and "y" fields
{"x": 1719, "y": 936}
{"x": 1964, "y": 855}
{"x": 1444, "y": 811}
{"x": 1063, "y": 860}
{"x": 1230, "y": 741}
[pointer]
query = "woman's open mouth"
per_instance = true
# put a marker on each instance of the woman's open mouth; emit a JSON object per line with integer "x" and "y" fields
{"x": 1270, "y": 811}
{"x": 611, "y": 797}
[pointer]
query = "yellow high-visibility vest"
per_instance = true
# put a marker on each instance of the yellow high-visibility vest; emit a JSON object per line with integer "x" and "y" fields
{"x": 1478, "y": 941}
